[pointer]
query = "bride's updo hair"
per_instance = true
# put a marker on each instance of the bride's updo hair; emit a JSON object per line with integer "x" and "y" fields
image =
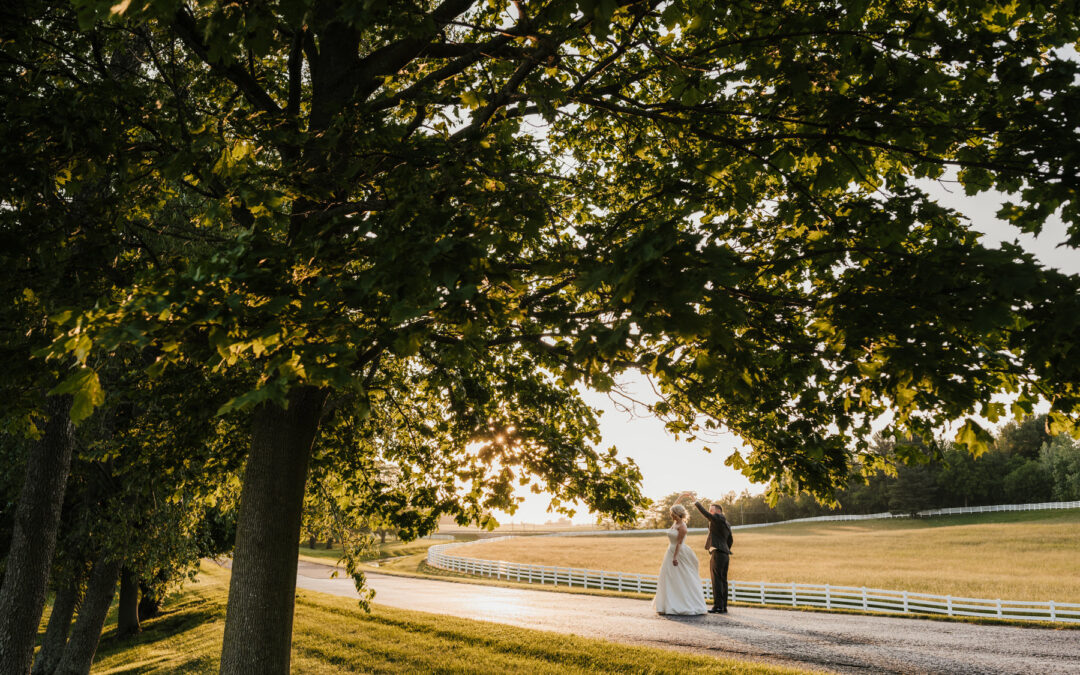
{"x": 678, "y": 512}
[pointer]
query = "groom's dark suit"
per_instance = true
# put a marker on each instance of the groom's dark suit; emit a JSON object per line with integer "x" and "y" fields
{"x": 719, "y": 543}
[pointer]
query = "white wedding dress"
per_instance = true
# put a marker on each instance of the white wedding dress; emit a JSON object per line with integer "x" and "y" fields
{"x": 679, "y": 591}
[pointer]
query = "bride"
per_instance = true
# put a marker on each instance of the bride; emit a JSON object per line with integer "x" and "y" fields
{"x": 678, "y": 591}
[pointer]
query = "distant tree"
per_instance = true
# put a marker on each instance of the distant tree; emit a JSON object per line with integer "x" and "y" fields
{"x": 913, "y": 490}
{"x": 1025, "y": 438}
{"x": 965, "y": 480}
{"x": 659, "y": 514}
{"x": 866, "y": 494}
{"x": 746, "y": 508}
{"x": 1061, "y": 459}
{"x": 1029, "y": 482}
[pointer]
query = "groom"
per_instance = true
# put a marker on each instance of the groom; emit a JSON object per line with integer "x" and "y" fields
{"x": 718, "y": 544}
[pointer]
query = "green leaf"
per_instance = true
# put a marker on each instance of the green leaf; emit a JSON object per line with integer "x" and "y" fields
{"x": 85, "y": 387}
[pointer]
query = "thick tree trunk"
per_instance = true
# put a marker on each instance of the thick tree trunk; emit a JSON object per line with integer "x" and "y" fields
{"x": 258, "y": 622}
{"x": 37, "y": 518}
{"x": 56, "y": 633}
{"x": 85, "y": 634}
{"x": 329, "y": 543}
{"x": 311, "y": 542}
{"x": 149, "y": 606}
{"x": 127, "y": 613}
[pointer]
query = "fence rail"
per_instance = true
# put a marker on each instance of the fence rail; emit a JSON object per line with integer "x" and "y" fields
{"x": 765, "y": 593}
{"x": 1044, "y": 506}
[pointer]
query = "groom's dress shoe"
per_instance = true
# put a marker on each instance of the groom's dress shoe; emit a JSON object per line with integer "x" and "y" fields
{"x": 716, "y": 610}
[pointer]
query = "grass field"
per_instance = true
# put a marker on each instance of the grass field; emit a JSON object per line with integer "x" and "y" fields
{"x": 388, "y": 550}
{"x": 1014, "y": 556}
{"x": 332, "y": 636}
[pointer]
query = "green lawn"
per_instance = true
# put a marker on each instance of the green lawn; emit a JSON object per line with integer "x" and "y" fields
{"x": 331, "y": 635}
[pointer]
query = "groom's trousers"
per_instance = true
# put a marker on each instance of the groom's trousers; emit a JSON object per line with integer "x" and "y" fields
{"x": 718, "y": 566}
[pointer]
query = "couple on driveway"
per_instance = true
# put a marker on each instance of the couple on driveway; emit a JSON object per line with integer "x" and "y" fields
{"x": 678, "y": 590}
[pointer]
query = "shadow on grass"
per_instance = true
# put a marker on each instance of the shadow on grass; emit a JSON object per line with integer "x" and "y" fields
{"x": 157, "y": 640}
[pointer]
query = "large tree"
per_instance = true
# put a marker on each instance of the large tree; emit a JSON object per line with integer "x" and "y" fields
{"x": 724, "y": 197}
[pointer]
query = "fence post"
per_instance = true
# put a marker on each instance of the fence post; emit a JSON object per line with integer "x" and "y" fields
{"x": 864, "y": 597}
{"x": 620, "y": 582}
{"x": 762, "y": 588}
{"x": 828, "y": 597}
{"x": 999, "y": 607}
{"x": 794, "y": 594}
{"x": 1053, "y": 611}
{"x": 948, "y": 604}
{"x": 906, "y": 602}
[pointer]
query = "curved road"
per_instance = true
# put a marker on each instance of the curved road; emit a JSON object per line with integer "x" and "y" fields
{"x": 844, "y": 643}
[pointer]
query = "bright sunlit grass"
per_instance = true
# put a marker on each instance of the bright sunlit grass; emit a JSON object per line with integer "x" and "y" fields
{"x": 1013, "y": 556}
{"x": 331, "y": 635}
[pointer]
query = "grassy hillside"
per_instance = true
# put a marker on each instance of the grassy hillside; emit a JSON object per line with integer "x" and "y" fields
{"x": 388, "y": 550}
{"x": 1018, "y": 556}
{"x": 332, "y": 636}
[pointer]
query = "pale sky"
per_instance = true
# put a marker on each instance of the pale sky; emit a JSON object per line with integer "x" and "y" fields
{"x": 668, "y": 465}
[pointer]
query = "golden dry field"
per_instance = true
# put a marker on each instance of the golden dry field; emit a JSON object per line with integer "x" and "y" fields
{"x": 1013, "y": 556}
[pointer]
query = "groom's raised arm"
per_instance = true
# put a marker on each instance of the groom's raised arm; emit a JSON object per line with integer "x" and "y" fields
{"x": 704, "y": 511}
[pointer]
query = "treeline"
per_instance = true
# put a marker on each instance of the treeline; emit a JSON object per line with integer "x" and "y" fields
{"x": 1023, "y": 465}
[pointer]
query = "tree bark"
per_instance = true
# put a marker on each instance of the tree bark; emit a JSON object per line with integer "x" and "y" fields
{"x": 329, "y": 543}
{"x": 85, "y": 634}
{"x": 127, "y": 612}
{"x": 56, "y": 633}
{"x": 259, "y": 618}
{"x": 150, "y": 605}
{"x": 33, "y": 540}
{"x": 312, "y": 542}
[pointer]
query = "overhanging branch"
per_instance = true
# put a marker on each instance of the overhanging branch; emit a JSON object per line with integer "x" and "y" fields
{"x": 187, "y": 30}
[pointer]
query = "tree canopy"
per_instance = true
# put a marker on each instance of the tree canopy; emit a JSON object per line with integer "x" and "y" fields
{"x": 722, "y": 197}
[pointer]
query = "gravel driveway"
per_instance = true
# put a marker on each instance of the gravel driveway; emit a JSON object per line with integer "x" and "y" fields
{"x": 842, "y": 643}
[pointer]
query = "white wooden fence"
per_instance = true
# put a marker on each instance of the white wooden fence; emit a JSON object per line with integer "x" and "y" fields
{"x": 765, "y": 593}
{"x": 1044, "y": 506}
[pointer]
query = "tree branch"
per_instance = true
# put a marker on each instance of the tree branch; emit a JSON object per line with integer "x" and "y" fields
{"x": 442, "y": 74}
{"x": 296, "y": 63}
{"x": 188, "y": 31}
{"x": 393, "y": 57}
